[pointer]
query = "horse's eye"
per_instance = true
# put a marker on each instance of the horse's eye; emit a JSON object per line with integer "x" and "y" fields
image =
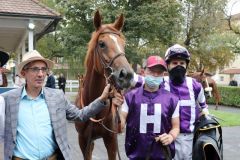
{"x": 101, "y": 44}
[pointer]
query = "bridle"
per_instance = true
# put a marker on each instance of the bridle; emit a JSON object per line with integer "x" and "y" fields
{"x": 107, "y": 65}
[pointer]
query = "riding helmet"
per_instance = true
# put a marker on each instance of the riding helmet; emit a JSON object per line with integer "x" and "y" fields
{"x": 177, "y": 51}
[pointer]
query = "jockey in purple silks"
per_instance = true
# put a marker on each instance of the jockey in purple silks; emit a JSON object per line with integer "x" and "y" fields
{"x": 191, "y": 95}
{"x": 151, "y": 115}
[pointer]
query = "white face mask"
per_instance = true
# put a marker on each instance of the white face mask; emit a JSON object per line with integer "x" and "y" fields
{"x": 153, "y": 82}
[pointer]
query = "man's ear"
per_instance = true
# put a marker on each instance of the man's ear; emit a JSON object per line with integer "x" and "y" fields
{"x": 22, "y": 74}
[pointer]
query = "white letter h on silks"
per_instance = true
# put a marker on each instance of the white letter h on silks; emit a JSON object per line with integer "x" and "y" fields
{"x": 155, "y": 118}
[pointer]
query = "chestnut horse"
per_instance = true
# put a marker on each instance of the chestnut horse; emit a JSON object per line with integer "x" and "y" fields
{"x": 105, "y": 62}
{"x": 209, "y": 85}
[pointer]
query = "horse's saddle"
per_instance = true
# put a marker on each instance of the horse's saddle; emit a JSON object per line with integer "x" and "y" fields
{"x": 207, "y": 141}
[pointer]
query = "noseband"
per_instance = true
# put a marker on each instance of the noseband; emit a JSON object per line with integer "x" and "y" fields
{"x": 107, "y": 65}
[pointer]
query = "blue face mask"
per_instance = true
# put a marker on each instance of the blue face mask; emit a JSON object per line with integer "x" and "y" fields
{"x": 153, "y": 82}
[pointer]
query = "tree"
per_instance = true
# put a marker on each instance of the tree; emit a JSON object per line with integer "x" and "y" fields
{"x": 150, "y": 27}
{"x": 205, "y": 35}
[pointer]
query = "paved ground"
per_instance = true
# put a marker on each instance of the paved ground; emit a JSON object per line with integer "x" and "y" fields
{"x": 231, "y": 140}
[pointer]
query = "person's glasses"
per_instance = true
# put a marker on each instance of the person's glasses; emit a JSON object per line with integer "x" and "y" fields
{"x": 37, "y": 70}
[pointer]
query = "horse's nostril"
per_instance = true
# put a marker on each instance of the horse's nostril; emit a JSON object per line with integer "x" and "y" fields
{"x": 123, "y": 73}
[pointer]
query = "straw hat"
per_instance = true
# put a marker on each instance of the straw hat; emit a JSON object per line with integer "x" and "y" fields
{"x": 4, "y": 57}
{"x": 34, "y": 56}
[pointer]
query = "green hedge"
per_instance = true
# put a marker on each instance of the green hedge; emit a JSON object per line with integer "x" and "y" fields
{"x": 230, "y": 96}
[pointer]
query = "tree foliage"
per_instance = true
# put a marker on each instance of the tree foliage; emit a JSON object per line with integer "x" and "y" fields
{"x": 205, "y": 34}
{"x": 150, "y": 28}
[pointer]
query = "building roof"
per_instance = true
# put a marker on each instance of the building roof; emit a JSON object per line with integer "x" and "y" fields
{"x": 231, "y": 71}
{"x": 26, "y": 8}
{"x": 15, "y": 16}
{"x": 236, "y": 16}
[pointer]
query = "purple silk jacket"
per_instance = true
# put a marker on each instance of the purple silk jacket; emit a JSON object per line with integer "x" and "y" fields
{"x": 149, "y": 115}
{"x": 191, "y": 101}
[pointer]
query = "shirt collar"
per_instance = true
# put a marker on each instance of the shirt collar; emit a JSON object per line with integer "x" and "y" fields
{"x": 24, "y": 94}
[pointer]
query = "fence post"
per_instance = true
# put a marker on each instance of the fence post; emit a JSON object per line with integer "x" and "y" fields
{"x": 70, "y": 86}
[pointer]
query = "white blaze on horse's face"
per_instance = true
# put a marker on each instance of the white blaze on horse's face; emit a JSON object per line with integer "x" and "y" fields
{"x": 120, "y": 50}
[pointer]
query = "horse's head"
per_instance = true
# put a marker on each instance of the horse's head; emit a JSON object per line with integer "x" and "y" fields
{"x": 204, "y": 80}
{"x": 108, "y": 48}
{"x": 200, "y": 77}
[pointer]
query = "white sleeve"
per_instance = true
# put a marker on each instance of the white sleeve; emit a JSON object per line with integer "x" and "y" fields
{"x": 124, "y": 107}
{"x": 137, "y": 80}
{"x": 176, "y": 111}
{"x": 201, "y": 97}
{"x": 202, "y": 101}
{"x": 2, "y": 118}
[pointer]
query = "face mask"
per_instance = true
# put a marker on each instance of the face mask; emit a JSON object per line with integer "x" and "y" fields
{"x": 153, "y": 82}
{"x": 177, "y": 74}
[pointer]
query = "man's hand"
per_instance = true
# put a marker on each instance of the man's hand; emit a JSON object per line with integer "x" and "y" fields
{"x": 105, "y": 93}
{"x": 165, "y": 139}
{"x": 117, "y": 99}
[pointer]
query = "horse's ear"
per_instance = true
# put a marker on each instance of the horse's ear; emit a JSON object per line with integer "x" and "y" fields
{"x": 118, "y": 24}
{"x": 97, "y": 20}
{"x": 202, "y": 72}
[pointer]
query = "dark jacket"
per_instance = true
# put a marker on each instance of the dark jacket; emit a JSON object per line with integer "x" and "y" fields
{"x": 61, "y": 81}
{"x": 50, "y": 82}
{"x": 233, "y": 83}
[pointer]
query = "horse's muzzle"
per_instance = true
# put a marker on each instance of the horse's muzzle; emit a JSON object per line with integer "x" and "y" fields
{"x": 123, "y": 78}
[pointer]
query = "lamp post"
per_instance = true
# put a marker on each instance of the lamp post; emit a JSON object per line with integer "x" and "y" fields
{"x": 31, "y": 27}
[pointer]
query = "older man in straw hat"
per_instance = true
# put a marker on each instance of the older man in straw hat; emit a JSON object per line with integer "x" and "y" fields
{"x": 35, "y": 125}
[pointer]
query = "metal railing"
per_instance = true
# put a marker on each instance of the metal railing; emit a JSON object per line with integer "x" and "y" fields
{"x": 71, "y": 85}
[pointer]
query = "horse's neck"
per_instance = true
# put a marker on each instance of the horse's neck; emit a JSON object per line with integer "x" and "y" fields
{"x": 94, "y": 84}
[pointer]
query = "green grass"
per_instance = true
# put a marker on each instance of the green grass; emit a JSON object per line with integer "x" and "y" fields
{"x": 229, "y": 119}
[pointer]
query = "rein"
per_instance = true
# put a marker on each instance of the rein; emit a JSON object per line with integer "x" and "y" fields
{"x": 165, "y": 150}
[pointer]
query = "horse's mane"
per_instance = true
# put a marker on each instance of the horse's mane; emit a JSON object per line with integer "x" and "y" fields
{"x": 89, "y": 60}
